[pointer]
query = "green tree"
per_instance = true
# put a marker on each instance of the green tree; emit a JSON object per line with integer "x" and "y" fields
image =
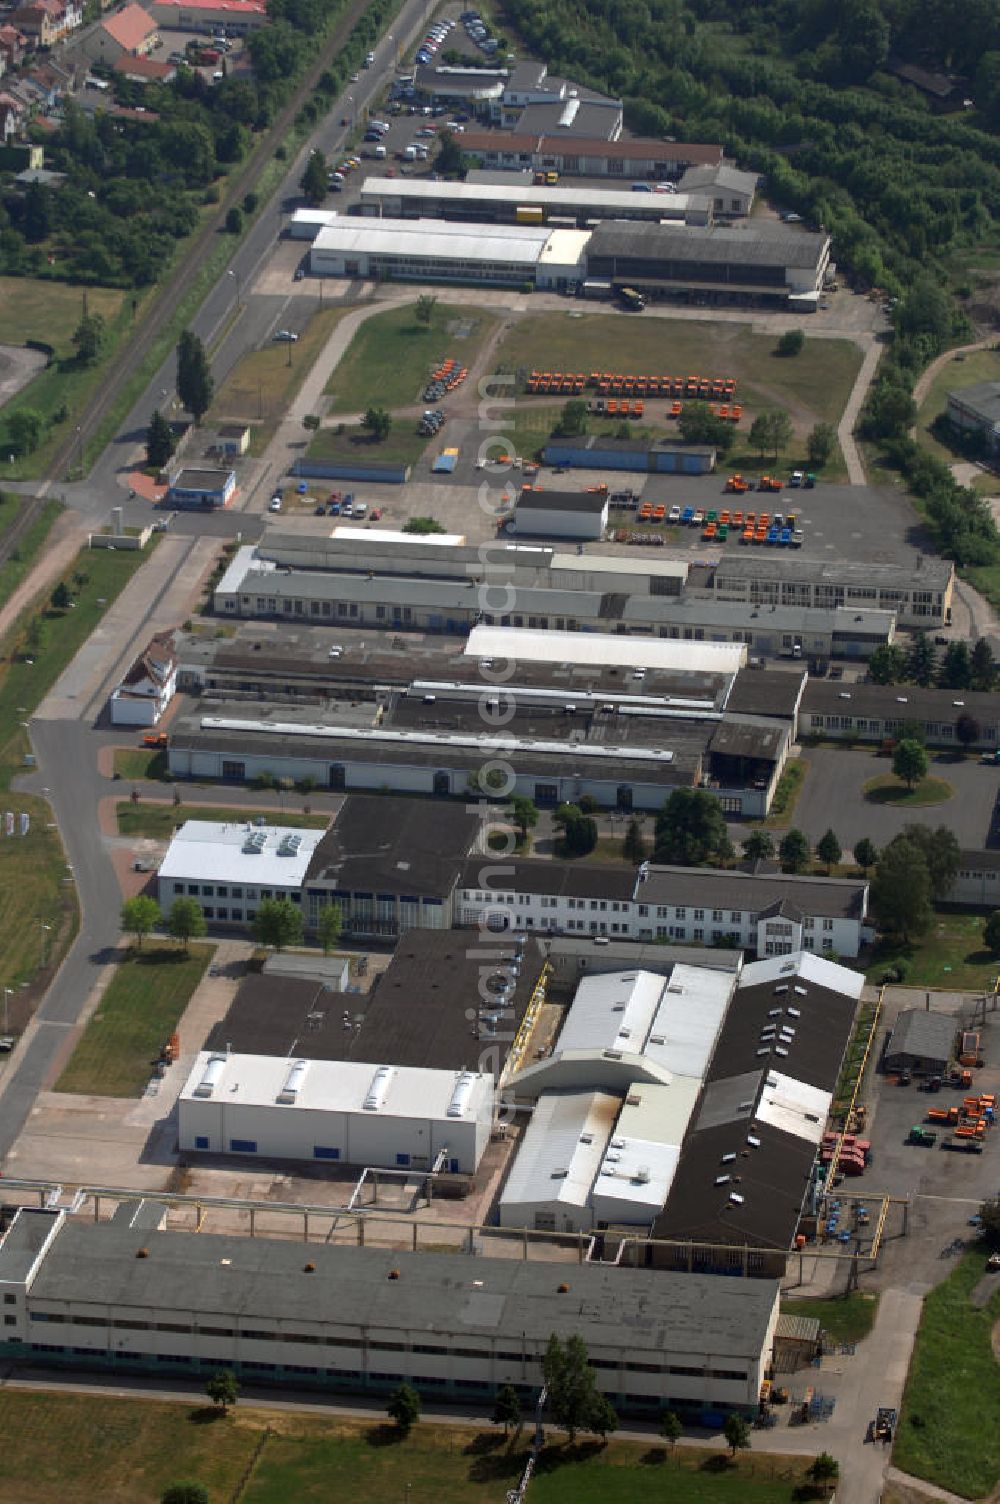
{"x": 792, "y": 342}
{"x": 404, "y": 1407}
{"x": 195, "y": 386}
{"x": 690, "y": 829}
{"x": 573, "y": 419}
{"x": 829, "y": 850}
{"x": 941, "y": 852}
{"x": 160, "y": 442}
{"x": 60, "y": 599}
{"x": 991, "y": 933}
{"x": 24, "y": 430}
{"x": 824, "y": 1471}
{"x": 887, "y": 664}
{"x": 185, "y": 1493}
{"x": 424, "y": 310}
{"x": 88, "y": 337}
{"x": 820, "y": 444}
{"x": 378, "y": 423}
{"x": 990, "y": 1213}
{"x": 575, "y": 1402}
{"x": 697, "y": 424}
{"x": 312, "y": 422}
{"x": 186, "y": 921}
{"x": 670, "y": 1428}
{"x": 770, "y": 432}
{"x": 910, "y": 762}
{"x": 956, "y": 667}
{"x": 139, "y": 916}
{"x": 967, "y": 730}
{"x": 507, "y": 1409}
{"x": 524, "y": 813}
{"x": 793, "y": 853}
{"x": 234, "y": 221}
{"x": 277, "y": 923}
{"x": 758, "y": 846}
{"x": 422, "y": 525}
{"x": 578, "y": 831}
{"x": 329, "y": 924}
{"x": 223, "y": 1389}
{"x": 901, "y": 890}
{"x": 865, "y": 854}
{"x": 984, "y": 669}
{"x": 921, "y": 662}
{"x": 634, "y": 844}
{"x": 314, "y": 182}
{"x": 449, "y": 161}
{"x": 737, "y": 1433}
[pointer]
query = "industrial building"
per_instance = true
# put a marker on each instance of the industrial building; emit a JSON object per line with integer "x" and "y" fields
{"x": 920, "y": 1042}
{"x": 520, "y": 203}
{"x": 335, "y": 1112}
{"x": 977, "y": 881}
{"x": 880, "y": 712}
{"x": 562, "y": 514}
{"x": 202, "y": 488}
{"x": 730, "y": 192}
{"x": 235, "y": 867}
{"x": 919, "y": 593}
{"x": 435, "y": 250}
{"x": 603, "y": 452}
{"x": 637, "y": 158}
{"x": 976, "y": 409}
{"x": 124, "y": 1298}
{"x": 746, "y": 1174}
{"x": 776, "y": 267}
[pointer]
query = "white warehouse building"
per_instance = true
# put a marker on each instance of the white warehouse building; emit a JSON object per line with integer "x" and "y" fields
{"x": 229, "y": 869}
{"x": 428, "y": 250}
{"x": 336, "y": 1111}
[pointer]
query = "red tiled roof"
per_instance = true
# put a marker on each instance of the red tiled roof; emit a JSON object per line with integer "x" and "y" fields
{"x": 692, "y": 152}
{"x": 129, "y": 27}
{"x": 144, "y": 67}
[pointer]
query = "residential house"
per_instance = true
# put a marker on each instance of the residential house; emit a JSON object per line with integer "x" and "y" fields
{"x": 130, "y": 32}
{"x": 148, "y": 686}
{"x": 46, "y": 22}
{"x": 13, "y": 46}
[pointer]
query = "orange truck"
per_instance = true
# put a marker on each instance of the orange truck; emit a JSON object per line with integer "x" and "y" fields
{"x": 969, "y": 1053}
{"x": 155, "y": 739}
{"x": 942, "y": 1115}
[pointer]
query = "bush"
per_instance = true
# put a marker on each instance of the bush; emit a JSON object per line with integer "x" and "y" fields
{"x": 791, "y": 343}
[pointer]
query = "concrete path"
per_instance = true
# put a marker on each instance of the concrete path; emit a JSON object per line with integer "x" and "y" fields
{"x": 68, "y": 536}
{"x": 845, "y": 428}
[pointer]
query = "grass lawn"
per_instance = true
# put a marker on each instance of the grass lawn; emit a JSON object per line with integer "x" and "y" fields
{"x": 391, "y": 356}
{"x": 981, "y": 365}
{"x": 819, "y": 380}
{"x": 32, "y": 893}
{"x": 14, "y": 569}
{"x": 50, "y": 311}
{"x": 888, "y": 789}
{"x": 951, "y": 954}
{"x": 85, "y": 1447}
{"x": 845, "y": 1318}
{"x": 786, "y": 794}
{"x": 437, "y": 1462}
{"x": 404, "y": 446}
{"x": 140, "y": 762}
{"x": 139, "y": 1010}
{"x": 987, "y": 581}
{"x": 262, "y": 385}
{"x": 949, "y": 1429}
{"x": 160, "y": 820}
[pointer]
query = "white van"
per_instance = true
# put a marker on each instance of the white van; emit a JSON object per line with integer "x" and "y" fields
{"x": 380, "y": 153}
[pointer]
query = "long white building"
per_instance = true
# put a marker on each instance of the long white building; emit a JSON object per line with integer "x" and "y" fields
{"x": 336, "y": 1111}
{"x": 231, "y": 868}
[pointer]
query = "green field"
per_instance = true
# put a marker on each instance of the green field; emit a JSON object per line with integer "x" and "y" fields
{"x": 949, "y": 1427}
{"x": 50, "y": 311}
{"x": 263, "y": 384}
{"x": 969, "y": 370}
{"x": 89, "y": 1447}
{"x": 813, "y": 385}
{"x": 888, "y": 789}
{"x": 140, "y": 762}
{"x": 951, "y": 954}
{"x": 391, "y": 356}
{"x": 14, "y": 569}
{"x": 404, "y": 446}
{"x": 160, "y": 820}
{"x": 846, "y": 1318}
{"x": 35, "y": 889}
{"x": 138, "y": 1012}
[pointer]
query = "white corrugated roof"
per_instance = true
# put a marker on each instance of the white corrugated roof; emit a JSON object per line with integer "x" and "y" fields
{"x": 807, "y": 966}
{"x": 793, "y": 1106}
{"x": 528, "y": 646}
{"x": 612, "y": 1012}
{"x": 319, "y": 217}
{"x": 561, "y": 199}
{"x": 565, "y": 247}
{"x": 261, "y": 855}
{"x": 671, "y": 1023}
{"x": 338, "y": 1086}
{"x": 638, "y": 1174}
{"x": 521, "y": 244}
{"x": 390, "y": 535}
{"x": 682, "y": 1035}
{"x": 562, "y": 1149}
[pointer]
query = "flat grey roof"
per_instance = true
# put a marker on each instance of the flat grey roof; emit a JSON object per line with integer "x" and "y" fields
{"x": 917, "y": 1032}
{"x": 592, "y": 119}
{"x": 924, "y": 572}
{"x": 983, "y": 400}
{"x": 23, "y": 1241}
{"x": 567, "y": 879}
{"x": 382, "y": 844}
{"x": 723, "y": 175}
{"x": 590, "y": 503}
{"x": 200, "y": 480}
{"x": 902, "y": 702}
{"x": 614, "y": 955}
{"x": 254, "y": 1280}
{"x": 828, "y": 897}
{"x": 709, "y": 245}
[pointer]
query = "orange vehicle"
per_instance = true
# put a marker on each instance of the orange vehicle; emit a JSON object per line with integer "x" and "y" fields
{"x": 747, "y": 535}
{"x": 708, "y": 532}
{"x": 735, "y": 413}
{"x": 659, "y": 513}
{"x": 942, "y": 1115}
{"x": 738, "y": 484}
{"x": 638, "y": 408}
{"x": 675, "y": 409}
{"x": 724, "y": 412}
{"x": 646, "y": 512}
{"x": 612, "y": 407}
{"x": 724, "y": 519}
{"x": 155, "y": 739}
{"x": 751, "y": 519}
{"x": 760, "y": 535}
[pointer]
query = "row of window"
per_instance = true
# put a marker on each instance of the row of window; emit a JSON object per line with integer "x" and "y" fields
{"x": 320, "y": 1151}
{"x": 644, "y": 910}
{"x": 425, "y": 1349}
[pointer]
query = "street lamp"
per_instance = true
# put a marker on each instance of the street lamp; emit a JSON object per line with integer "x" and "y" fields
{"x": 44, "y": 929}
{"x": 236, "y": 276}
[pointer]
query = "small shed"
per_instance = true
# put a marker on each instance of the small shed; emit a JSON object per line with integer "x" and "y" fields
{"x": 796, "y": 1342}
{"x": 920, "y": 1042}
{"x": 233, "y": 438}
{"x": 202, "y": 488}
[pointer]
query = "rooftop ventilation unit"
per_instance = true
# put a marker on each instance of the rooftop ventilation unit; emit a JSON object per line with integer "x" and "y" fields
{"x": 657, "y": 1039}
{"x": 745, "y": 1106}
{"x": 779, "y": 1050}
{"x": 727, "y": 1159}
{"x": 753, "y": 1140}
{"x": 765, "y": 1051}
{"x": 377, "y": 1091}
{"x": 774, "y": 1012}
{"x": 642, "y": 1174}
{"x": 461, "y": 1094}
{"x": 293, "y": 1081}
{"x": 795, "y": 1012}
{"x": 723, "y": 1179}
{"x": 586, "y": 1138}
{"x": 617, "y": 1143}
{"x": 800, "y": 990}
{"x": 736, "y": 1198}
{"x": 213, "y": 1071}
{"x": 782, "y": 987}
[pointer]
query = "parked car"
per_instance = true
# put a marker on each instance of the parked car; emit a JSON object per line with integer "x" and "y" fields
{"x": 274, "y": 505}
{"x": 285, "y": 337}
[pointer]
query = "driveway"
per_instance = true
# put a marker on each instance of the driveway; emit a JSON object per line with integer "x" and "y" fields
{"x": 831, "y": 798}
